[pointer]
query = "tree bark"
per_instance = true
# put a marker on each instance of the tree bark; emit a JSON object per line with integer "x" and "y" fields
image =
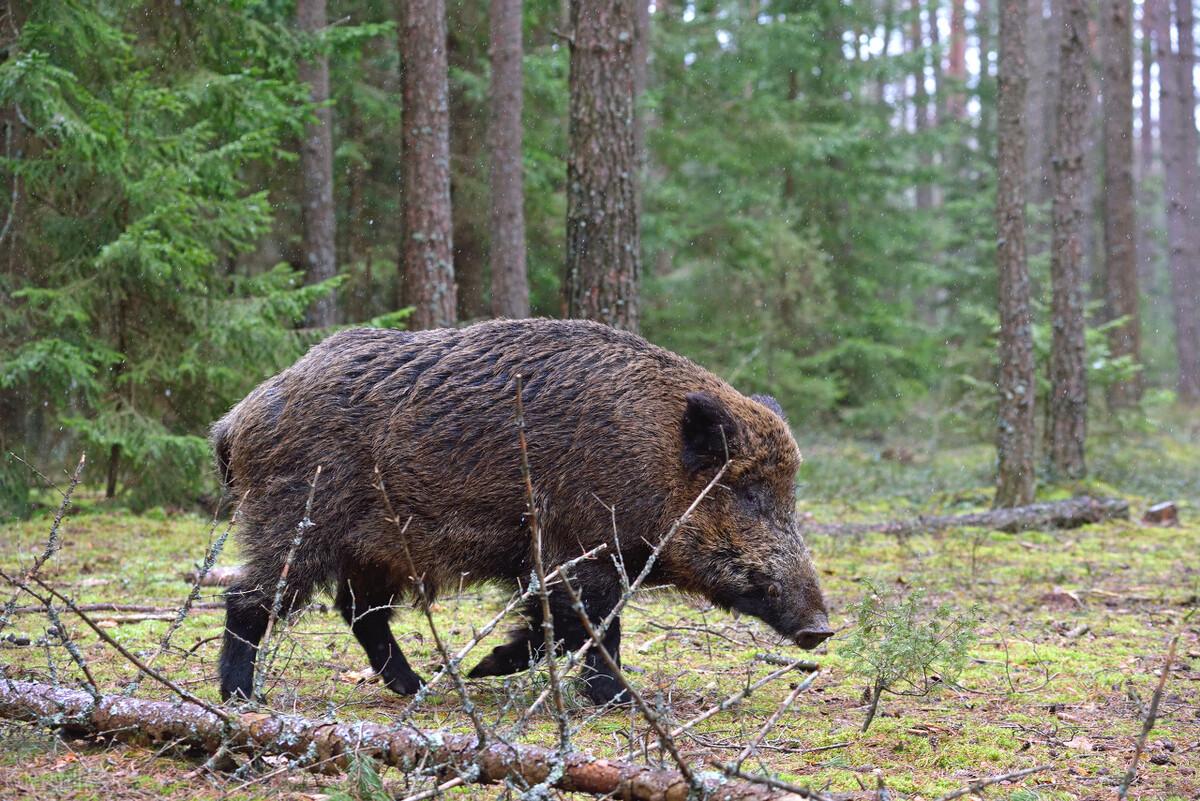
{"x": 921, "y": 106}
{"x": 956, "y": 65}
{"x": 401, "y": 746}
{"x": 510, "y": 282}
{"x": 428, "y": 229}
{"x": 316, "y": 165}
{"x": 1015, "y": 429}
{"x": 1121, "y": 288}
{"x": 1186, "y": 273}
{"x": 1066, "y": 413}
{"x": 603, "y": 243}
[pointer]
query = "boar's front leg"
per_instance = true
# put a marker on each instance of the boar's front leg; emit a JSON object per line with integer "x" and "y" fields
{"x": 599, "y": 590}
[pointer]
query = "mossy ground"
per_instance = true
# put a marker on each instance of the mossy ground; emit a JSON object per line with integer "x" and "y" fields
{"x": 1073, "y": 631}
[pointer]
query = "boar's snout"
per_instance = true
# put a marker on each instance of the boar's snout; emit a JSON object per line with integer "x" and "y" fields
{"x": 814, "y": 634}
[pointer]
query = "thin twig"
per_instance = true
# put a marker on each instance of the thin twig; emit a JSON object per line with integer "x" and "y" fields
{"x": 103, "y": 635}
{"x": 1148, "y": 723}
{"x": 652, "y": 717}
{"x": 979, "y": 784}
{"x": 771, "y": 721}
{"x": 729, "y": 769}
{"x": 260, "y": 672}
{"x": 550, "y": 644}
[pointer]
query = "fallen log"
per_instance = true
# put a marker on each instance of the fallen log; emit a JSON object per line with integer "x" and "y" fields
{"x": 142, "y": 609}
{"x": 1072, "y": 513}
{"x": 219, "y": 576}
{"x": 332, "y": 744}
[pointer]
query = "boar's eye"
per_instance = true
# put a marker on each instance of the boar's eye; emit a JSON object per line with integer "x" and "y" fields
{"x": 773, "y": 590}
{"x": 753, "y": 494}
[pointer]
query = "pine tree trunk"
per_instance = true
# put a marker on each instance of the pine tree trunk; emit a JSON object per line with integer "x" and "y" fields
{"x": 1015, "y": 430}
{"x": 1121, "y": 290}
{"x": 1066, "y": 417}
{"x": 921, "y": 106}
{"x": 510, "y": 283}
{"x": 316, "y": 166}
{"x": 956, "y": 66}
{"x": 1176, "y": 103}
{"x": 428, "y": 232}
{"x": 603, "y": 243}
{"x": 1188, "y": 326}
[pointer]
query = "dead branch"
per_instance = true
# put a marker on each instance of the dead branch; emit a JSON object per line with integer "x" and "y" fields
{"x": 979, "y": 784}
{"x": 403, "y": 747}
{"x": 1148, "y": 723}
{"x": 151, "y": 612}
{"x": 1071, "y": 513}
{"x": 219, "y": 576}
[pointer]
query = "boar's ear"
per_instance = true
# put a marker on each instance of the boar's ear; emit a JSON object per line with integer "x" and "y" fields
{"x": 709, "y": 432}
{"x": 772, "y": 404}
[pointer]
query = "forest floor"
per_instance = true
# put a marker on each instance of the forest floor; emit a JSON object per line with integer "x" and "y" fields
{"x": 1072, "y": 626}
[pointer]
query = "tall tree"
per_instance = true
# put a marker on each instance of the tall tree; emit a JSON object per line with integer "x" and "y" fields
{"x": 1188, "y": 324}
{"x": 921, "y": 106}
{"x": 510, "y": 284}
{"x": 1176, "y": 105}
{"x": 1016, "y": 380}
{"x": 428, "y": 232}
{"x": 956, "y": 61}
{"x": 1120, "y": 283}
{"x": 1066, "y": 412}
{"x": 316, "y": 164}
{"x": 603, "y": 241}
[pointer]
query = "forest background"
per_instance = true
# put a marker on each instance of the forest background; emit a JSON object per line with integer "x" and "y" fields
{"x": 801, "y": 196}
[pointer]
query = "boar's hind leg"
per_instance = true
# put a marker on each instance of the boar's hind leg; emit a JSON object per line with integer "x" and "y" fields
{"x": 524, "y": 647}
{"x": 368, "y": 612}
{"x": 247, "y": 609}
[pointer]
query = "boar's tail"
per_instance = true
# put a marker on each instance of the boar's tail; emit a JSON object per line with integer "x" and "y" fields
{"x": 221, "y": 438}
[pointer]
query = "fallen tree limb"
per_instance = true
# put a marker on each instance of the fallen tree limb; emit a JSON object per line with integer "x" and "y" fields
{"x": 142, "y": 609}
{"x": 1071, "y": 513}
{"x": 404, "y": 747}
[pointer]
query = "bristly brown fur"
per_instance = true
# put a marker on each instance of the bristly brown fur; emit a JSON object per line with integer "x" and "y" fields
{"x": 611, "y": 420}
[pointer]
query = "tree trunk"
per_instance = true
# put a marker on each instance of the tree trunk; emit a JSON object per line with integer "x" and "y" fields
{"x": 921, "y": 107}
{"x": 1015, "y": 430}
{"x": 428, "y": 246}
{"x": 1066, "y": 414}
{"x": 603, "y": 242}
{"x": 316, "y": 165}
{"x": 401, "y": 745}
{"x": 1121, "y": 290}
{"x": 510, "y": 283}
{"x": 1188, "y": 326}
{"x": 1176, "y": 104}
{"x": 956, "y": 65}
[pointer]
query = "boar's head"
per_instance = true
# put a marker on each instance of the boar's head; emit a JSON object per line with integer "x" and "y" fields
{"x": 742, "y": 547}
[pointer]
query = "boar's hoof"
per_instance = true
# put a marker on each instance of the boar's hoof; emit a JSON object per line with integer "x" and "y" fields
{"x": 403, "y": 683}
{"x": 504, "y": 660}
{"x": 603, "y": 690}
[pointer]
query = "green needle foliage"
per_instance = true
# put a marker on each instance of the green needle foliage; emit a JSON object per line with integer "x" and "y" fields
{"x": 129, "y": 326}
{"x": 903, "y": 646}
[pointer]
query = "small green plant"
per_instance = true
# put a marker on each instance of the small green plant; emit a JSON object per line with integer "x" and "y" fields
{"x": 362, "y": 782}
{"x": 904, "y": 647}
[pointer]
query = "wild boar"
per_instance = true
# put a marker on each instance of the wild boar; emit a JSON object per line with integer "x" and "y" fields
{"x": 611, "y": 421}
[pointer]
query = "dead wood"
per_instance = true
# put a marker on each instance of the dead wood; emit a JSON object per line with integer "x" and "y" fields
{"x": 219, "y": 576}
{"x": 402, "y": 746}
{"x": 1071, "y": 513}
{"x": 154, "y": 612}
